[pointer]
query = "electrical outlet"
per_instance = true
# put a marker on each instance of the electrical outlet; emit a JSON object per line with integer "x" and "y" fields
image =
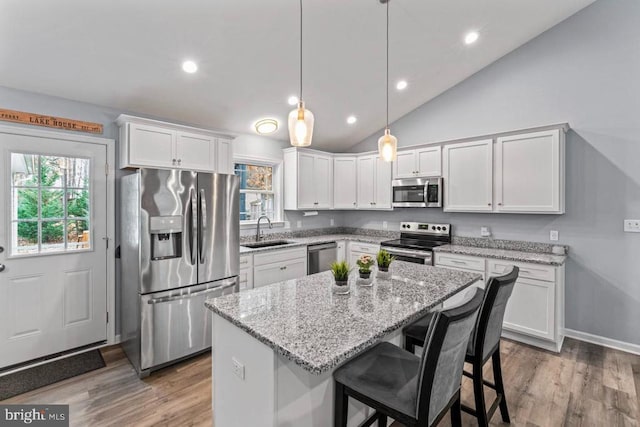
{"x": 632, "y": 225}
{"x": 385, "y": 225}
{"x": 485, "y": 232}
{"x": 333, "y": 222}
{"x": 554, "y": 235}
{"x": 238, "y": 368}
{"x": 299, "y": 224}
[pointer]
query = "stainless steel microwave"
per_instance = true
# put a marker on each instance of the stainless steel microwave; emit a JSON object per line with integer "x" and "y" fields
{"x": 417, "y": 193}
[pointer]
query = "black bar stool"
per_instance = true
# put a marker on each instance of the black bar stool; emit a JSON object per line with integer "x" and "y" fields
{"x": 415, "y": 391}
{"x": 483, "y": 345}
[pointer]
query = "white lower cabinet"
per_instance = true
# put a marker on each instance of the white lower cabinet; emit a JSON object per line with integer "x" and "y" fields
{"x": 342, "y": 250}
{"x": 535, "y": 311}
{"x": 357, "y": 249}
{"x": 246, "y": 272}
{"x": 280, "y": 265}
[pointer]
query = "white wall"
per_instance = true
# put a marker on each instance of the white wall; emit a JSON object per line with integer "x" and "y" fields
{"x": 585, "y": 71}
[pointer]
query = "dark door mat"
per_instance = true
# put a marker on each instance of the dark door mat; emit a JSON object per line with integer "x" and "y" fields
{"x": 49, "y": 373}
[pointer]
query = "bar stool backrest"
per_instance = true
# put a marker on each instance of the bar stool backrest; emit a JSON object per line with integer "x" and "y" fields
{"x": 443, "y": 358}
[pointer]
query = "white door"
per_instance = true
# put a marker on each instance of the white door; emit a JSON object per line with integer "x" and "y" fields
{"x": 151, "y": 146}
{"x": 405, "y": 165}
{"x": 224, "y": 156}
{"x": 468, "y": 176}
{"x": 429, "y": 161}
{"x": 344, "y": 183}
{"x": 528, "y": 172}
{"x": 366, "y": 182}
{"x": 306, "y": 182}
{"x": 323, "y": 177}
{"x": 53, "y": 289}
{"x": 383, "y": 184}
{"x": 195, "y": 152}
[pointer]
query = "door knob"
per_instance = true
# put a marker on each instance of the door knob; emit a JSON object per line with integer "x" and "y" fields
{"x": 2, "y": 267}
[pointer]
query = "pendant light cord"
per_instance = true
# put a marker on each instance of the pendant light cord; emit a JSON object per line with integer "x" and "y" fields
{"x": 387, "y": 63}
{"x": 300, "y": 50}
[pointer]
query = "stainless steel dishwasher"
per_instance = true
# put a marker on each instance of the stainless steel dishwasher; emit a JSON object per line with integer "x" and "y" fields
{"x": 320, "y": 257}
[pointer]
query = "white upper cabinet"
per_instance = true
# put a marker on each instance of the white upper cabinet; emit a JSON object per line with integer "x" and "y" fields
{"x": 224, "y": 156}
{"x": 519, "y": 173}
{"x": 421, "y": 162}
{"x": 529, "y": 172}
{"x": 150, "y": 146}
{"x": 308, "y": 180}
{"x": 345, "y": 182}
{"x": 374, "y": 183}
{"x": 468, "y": 176}
{"x": 195, "y": 151}
{"x": 150, "y": 143}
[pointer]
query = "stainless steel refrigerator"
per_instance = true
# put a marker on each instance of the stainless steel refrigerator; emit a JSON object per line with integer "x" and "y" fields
{"x": 180, "y": 240}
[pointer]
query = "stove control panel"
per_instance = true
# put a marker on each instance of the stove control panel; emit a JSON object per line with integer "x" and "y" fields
{"x": 423, "y": 228}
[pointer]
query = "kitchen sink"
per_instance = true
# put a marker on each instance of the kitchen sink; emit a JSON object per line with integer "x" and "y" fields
{"x": 266, "y": 244}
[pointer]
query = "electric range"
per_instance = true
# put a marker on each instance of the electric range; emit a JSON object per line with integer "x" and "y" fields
{"x": 417, "y": 241}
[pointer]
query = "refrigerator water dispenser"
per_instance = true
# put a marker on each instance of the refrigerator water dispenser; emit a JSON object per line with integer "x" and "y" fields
{"x": 166, "y": 237}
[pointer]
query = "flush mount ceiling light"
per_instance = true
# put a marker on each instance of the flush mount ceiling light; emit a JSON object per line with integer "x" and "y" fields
{"x": 189, "y": 67}
{"x": 401, "y": 85}
{"x": 266, "y": 126}
{"x": 300, "y": 119}
{"x": 352, "y": 119}
{"x": 293, "y": 100}
{"x": 471, "y": 37}
{"x": 387, "y": 144}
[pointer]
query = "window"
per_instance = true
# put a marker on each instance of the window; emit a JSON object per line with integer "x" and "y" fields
{"x": 258, "y": 190}
{"x": 49, "y": 204}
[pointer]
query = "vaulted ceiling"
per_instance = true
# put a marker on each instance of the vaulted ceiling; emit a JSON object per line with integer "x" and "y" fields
{"x": 128, "y": 53}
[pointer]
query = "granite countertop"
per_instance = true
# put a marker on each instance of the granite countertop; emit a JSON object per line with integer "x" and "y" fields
{"x": 505, "y": 254}
{"x": 304, "y": 241}
{"x": 304, "y": 321}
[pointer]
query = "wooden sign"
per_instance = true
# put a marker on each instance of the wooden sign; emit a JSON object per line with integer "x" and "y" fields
{"x": 49, "y": 121}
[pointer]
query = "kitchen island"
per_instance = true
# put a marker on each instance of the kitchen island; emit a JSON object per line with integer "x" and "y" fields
{"x": 274, "y": 348}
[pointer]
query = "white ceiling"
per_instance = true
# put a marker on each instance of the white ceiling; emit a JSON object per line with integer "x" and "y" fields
{"x": 127, "y": 54}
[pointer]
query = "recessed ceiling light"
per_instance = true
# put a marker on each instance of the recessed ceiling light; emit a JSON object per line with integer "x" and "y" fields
{"x": 293, "y": 100}
{"x": 189, "y": 67}
{"x": 471, "y": 37}
{"x": 352, "y": 119}
{"x": 266, "y": 126}
{"x": 401, "y": 85}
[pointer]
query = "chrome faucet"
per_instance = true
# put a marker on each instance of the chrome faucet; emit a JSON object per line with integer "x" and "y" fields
{"x": 258, "y": 229}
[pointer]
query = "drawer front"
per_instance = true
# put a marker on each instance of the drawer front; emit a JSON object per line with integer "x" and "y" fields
{"x": 281, "y": 255}
{"x": 459, "y": 261}
{"x": 279, "y": 272}
{"x": 528, "y": 271}
{"x": 246, "y": 261}
{"x": 364, "y": 248}
{"x": 531, "y": 309}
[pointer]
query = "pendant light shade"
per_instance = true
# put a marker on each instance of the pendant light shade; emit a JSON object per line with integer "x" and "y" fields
{"x": 300, "y": 119}
{"x": 300, "y": 126}
{"x": 387, "y": 144}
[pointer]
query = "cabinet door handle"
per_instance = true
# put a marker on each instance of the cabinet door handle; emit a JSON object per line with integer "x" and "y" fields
{"x": 173, "y": 161}
{"x": 179, "y": 161}
{"x": 488, "y": 204}
{"x": 354, "y": 203}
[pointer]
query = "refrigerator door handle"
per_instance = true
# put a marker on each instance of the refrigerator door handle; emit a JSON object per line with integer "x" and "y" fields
{"x": 202, "y": 217}
{"x": 191, "y": 295}
{"x": 192, "y": 227}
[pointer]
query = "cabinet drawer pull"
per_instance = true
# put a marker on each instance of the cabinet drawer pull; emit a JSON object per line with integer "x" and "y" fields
{"x": 488, "y": 204}
{"x": 458, "y": 262}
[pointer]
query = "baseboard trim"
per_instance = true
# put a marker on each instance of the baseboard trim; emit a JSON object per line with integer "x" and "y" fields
{"x": 603, "y": 341}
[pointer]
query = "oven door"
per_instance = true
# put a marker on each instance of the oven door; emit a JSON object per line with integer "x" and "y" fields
{"x": 408, "y": 255}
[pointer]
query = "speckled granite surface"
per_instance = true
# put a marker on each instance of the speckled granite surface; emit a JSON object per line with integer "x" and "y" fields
{"x": 305, "y": 322}
{"x": 512, "y": 245}
{"x": 505, "y": 254}
{"x": 323, "y": 238}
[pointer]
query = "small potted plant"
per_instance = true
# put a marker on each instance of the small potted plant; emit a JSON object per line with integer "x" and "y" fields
{"x": 340, "y": 270}
{"x": 365, "y": 262}
{"x": 384, "y": 260}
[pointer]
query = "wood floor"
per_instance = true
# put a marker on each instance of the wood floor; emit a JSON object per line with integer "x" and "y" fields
{"x": 585, "y": 385}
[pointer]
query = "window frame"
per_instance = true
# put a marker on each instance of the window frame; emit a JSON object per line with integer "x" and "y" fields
{"x": 277, "y": 183}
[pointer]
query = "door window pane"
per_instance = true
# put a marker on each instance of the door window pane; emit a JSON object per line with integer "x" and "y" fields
{"x": 50, "y": 204}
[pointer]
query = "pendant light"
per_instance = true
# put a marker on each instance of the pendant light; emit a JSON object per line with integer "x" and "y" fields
{"x": 387, "y": 144}
{"x": 300, "y": 119}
